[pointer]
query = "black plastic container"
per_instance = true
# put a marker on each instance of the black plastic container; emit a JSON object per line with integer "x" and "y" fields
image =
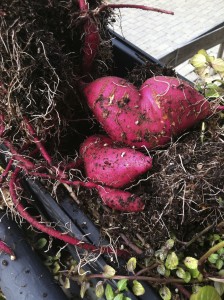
{"x": 14, "y": 275}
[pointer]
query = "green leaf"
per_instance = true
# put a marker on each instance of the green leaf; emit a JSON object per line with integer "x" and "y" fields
{"x": 219, "y": 264}
{"x": 206, "y": 293}
{"x": 187, "y": 277}
{"x": 84, "y": 288}
{"x": 171, "y": 261}
{"x": 161, "y": 254}
{"x": 218, "y": 65}
{"x": 161, "y": 269}
{"x": 40, "y": 243}
{"x": 49, "y": 261}
{"x": 99, "y": 289}
{"x": 66, "y": 284}
{"x": 203, "y": 52}
{"x": 169, "y": 244}
{"x": 165, "y": 293}
{"x": 109, "y": 292}
{"x": 198, "y": 60}
{"x": 211, "y": 93}
{"x": 138, "y": 288}
{"x": 202, "y": 72}
{"x": 122, "y": 285}
{"x": 119, "y": 297}
{"x": 108, "y": 271}
{"x": 131, "y": 264}
{"x": 210, "y": 58}
{"x": 180, "y": 273}
{"x": 219, "y": 286}
{"x": 57, "y": 267}
{"x": 194, "y": 273}
{"x": 220, "y": 251}
{"x": 213, "y": 258}
{"x": 191, "y": 262}
{"x": 167, "y": 273}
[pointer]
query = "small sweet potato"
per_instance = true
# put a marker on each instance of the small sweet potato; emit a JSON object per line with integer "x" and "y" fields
{"x": 109, "y": 164}
{"x": 121, "y": 200}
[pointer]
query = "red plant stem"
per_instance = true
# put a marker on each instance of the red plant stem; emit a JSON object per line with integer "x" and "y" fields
{"x": 91, "y": 45}
{"x": 130, "y": 244}
{"x": 182, "y": 290}
{"x": 41, "y": 147}
{"x": 6, "y": 249}
{"x": 20, "y": 158}
{"x": 220, "y": 108}
{"x": 37, "y": 141}
{"x": 50, "y": 231}
{"x": 91, "y": 39}
{"x": 90, "y": 185}
{"x": 6, "y": 171}
{"x": 73, "y": 164}
{"x": 143, "y": 7}
{"x": 83, "y": 5}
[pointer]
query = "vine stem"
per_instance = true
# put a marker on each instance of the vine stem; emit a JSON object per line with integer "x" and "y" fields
{"x": 136, "y": 6}
{"x": 37, "y": 141}
{"x": 182, "y": 290}
{"x": 212, "y": 250}
{"x": 41, "y": 147}
{"x": 196, "y": 237}
{"x": 143, "y": 278}
{"x": 13, "y": 184}
{"x": 28, "y": 165}
{"x": 6, "y": 249}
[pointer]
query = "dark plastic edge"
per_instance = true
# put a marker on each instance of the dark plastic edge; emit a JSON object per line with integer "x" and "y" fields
{"x": 26, "y": 277}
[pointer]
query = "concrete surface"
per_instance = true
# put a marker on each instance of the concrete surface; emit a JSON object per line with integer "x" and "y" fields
{"x": 159, "y": 34}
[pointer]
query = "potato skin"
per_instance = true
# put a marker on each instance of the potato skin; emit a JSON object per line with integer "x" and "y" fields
{"x": 163, "y": 107}
{"x": 110, "y": 164}
{"x": 121, "y": 200}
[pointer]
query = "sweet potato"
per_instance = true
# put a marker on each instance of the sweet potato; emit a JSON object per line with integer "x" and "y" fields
{"x": 110, "y": 164}
{"x": 120, "y": 200}
{"x": 163, "y": 107}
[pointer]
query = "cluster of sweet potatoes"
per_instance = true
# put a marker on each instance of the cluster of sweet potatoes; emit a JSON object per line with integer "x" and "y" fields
{"x": 134, "y": 119}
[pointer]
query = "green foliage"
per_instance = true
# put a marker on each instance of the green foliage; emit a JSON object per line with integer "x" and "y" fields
{"x": 165, "y": 293}
{"x": 84, "y": 288}
{"x": 211, "y": 73}
{"x": 172, "y": 261}
{"x": 219, "y": 286}
{"x": 206, "y": 293}
{"x": 119, "y": 297}
{"x": 122, "y": 285}
{"x": 131, "y": 264}
{"x": 217, "y": 259}
{"x": 108, "y": 271}
{"x": 138, "y": 288}
{"x": 191, "y": 263}
{"x": 109, "y": 292}
{"x": 99, "y": 289}
{"x": 40, "y": 244}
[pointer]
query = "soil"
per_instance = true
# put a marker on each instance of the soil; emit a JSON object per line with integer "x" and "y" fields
{"x": 183, "y": 193}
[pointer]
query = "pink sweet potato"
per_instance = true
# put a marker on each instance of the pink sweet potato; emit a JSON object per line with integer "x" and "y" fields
{"x": 163, "y": 107}
{"x": 120, "y": 200}
{"x": 109, "y": 164}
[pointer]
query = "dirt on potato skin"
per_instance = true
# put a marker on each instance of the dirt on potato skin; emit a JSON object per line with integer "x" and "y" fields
{"x": 183, "y": 193}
